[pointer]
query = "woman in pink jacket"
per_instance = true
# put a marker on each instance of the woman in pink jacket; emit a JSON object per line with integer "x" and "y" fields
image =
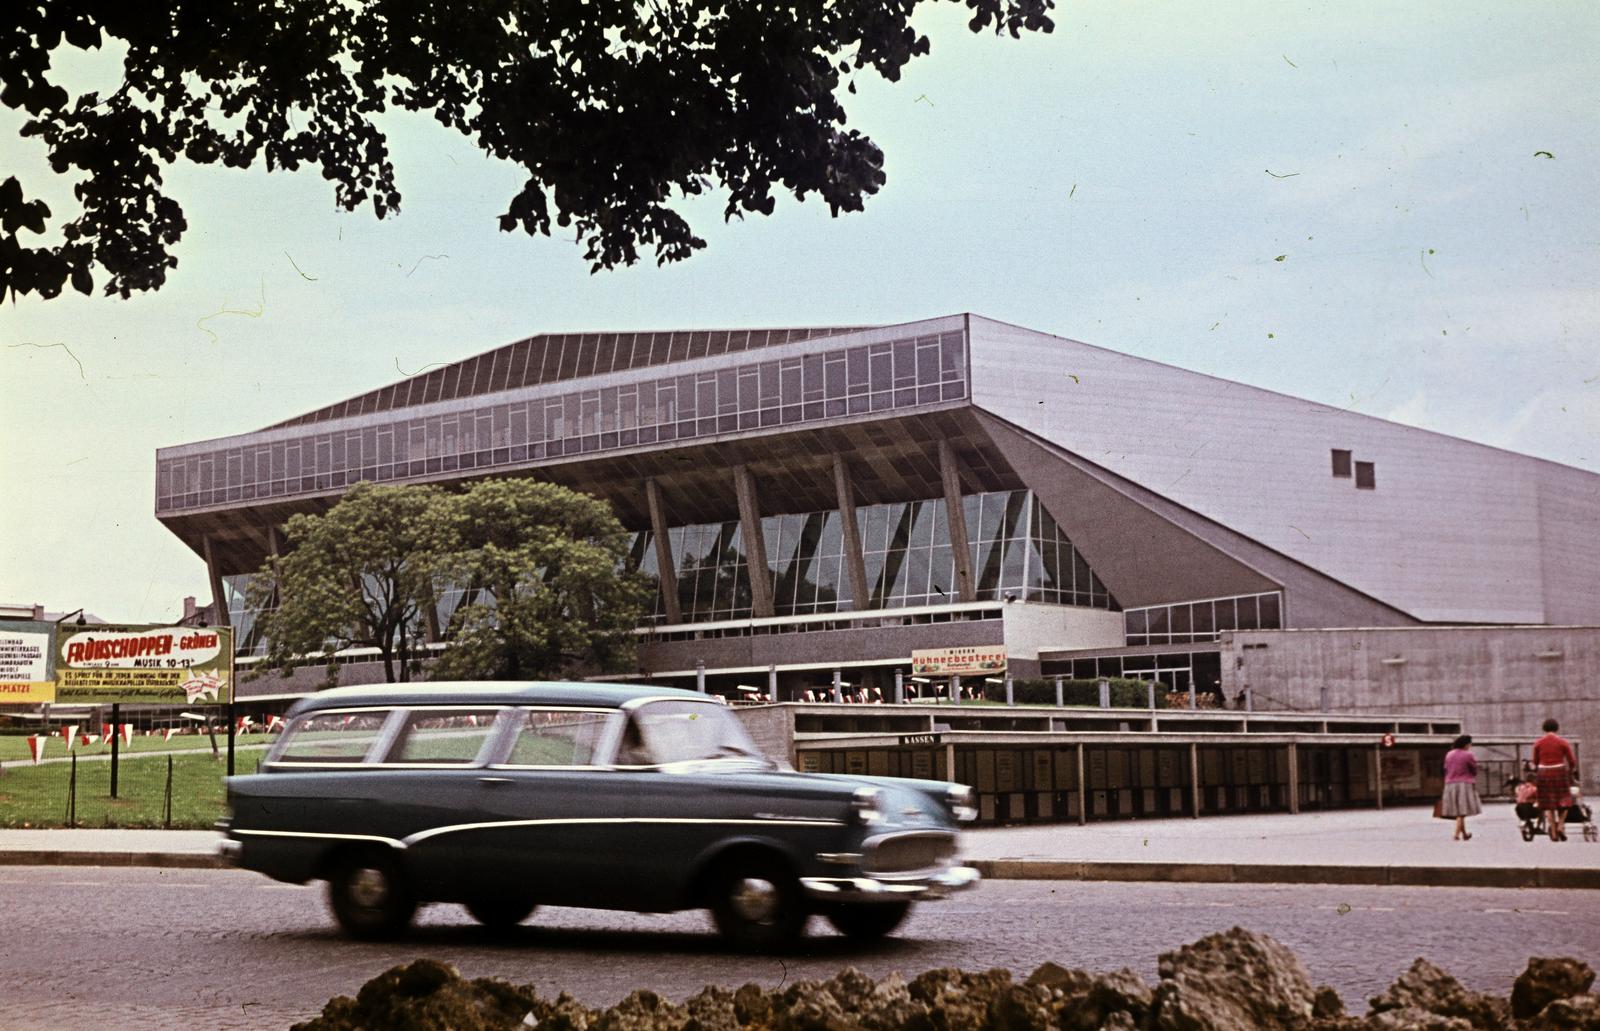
{"x": 1460, "y": 786}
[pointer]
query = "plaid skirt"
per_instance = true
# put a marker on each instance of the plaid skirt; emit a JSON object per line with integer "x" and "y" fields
{"x": 1555, "y": 787}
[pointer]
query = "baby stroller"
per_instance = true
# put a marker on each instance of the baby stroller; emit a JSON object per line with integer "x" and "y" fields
{"x": 1578, "y": 815}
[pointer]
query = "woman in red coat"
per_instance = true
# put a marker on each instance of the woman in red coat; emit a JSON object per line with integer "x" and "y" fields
{"x": 1556, "y": 766}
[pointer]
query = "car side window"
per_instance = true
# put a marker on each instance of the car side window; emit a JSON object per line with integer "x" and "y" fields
{"x": 332, "y": 737}
{"x": 558, "y": 737}
{"x": 631, "y": 750}
{"x": 448, "y": 736}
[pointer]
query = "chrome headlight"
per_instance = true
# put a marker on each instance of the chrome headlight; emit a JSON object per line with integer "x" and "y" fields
{"x": 962, "y": 802}
{"x": 869, "y": 807}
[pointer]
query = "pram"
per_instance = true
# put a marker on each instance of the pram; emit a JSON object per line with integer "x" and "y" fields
{"x": 1578, "y": 814}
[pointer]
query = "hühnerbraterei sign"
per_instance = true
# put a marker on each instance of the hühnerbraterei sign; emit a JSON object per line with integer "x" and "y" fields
{"x": 957, "y": 662}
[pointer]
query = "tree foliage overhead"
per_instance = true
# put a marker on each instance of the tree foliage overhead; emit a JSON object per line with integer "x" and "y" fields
{"x": 611, "y": 110}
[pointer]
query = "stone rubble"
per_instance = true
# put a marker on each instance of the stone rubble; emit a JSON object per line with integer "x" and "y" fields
{"x": 1236, "y": 980}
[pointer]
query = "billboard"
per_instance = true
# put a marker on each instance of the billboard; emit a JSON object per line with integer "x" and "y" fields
{"x": 27, "y": 662}
{"x": 958, "y": 662}
{"x": 147, "y": 665}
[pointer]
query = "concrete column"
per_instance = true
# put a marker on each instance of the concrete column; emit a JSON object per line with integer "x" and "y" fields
{"x": 755, "y": 545}
{"x": 1105, "y": 694}
{"x": 1193, "y": 704}
{"x": 1377, "y": 774}
{"x": 700, "y": 676}
{"x": 664, "y": 567}
{"x": 1083, "y": 788}
{"x": 955, "y": 690}
{"x": 219, "y": 602}
{"x": 1061, "y": 698}
{"x": 838, "y": 685}
{"x": 854, "y": 559}
{"x": 772, "y": 683}
{"x": 1194, "y": 776}
{"x": 960, "y": 547}
{"x": 1010, "y": 693}
{"x": 1152, "y": 691}
{"x": 950, "y": 762}
{"x": 899, "y": 687}
{"x": 1294, "y": 777}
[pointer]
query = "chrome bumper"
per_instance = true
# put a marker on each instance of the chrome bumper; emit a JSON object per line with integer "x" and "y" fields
{"x": 228, "y": 851}
{"x": 888, "y": 889}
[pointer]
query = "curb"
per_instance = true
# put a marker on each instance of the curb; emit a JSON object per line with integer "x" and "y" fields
{"x": 170, "y": 860}
{"x": 1285, "y": 873}
{"x": 1031, "y": 870}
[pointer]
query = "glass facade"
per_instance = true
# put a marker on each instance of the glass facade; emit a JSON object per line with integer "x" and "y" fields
{"x": 827, "y": 384}
{"x": 1015, "y": 549}
{"x": 1197, "y": 621}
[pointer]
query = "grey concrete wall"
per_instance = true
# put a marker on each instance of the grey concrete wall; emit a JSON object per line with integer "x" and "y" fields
{"x": 1498, "y": 680}
{"x": 771, "y": 727}
{"x": 1454, "y": 532}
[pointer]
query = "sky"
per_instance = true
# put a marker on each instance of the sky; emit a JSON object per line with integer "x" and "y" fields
{"x": 1384, "y": 207}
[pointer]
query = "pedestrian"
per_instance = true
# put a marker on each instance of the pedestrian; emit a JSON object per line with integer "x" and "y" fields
{"x": 1460, "y": 787}
{"x": 1555, "y": 765}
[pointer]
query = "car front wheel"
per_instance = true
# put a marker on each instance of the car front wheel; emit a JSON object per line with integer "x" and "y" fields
{"x": 501, "y": 913}
{"x": 866, "y": 921}
{"x": 757, "y": 903}
{"x": 370, "y": 897}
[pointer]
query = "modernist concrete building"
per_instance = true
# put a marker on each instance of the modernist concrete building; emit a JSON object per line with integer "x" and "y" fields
{"x": 960, "y": 481}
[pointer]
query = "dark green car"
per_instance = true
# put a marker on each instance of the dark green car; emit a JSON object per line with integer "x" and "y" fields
{"x": 504, "y": 797}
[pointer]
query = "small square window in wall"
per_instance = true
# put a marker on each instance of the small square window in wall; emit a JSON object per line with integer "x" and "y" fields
{"x": 1341, "y": 463}
{"x": 1366, "y": 476}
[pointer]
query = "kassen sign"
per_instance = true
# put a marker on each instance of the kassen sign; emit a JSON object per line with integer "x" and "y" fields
{"x": 144, "y": 664}
{"x": 957, "y": 662}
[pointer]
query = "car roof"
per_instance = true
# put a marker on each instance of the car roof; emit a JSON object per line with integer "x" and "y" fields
{"x": 479, "y": 692}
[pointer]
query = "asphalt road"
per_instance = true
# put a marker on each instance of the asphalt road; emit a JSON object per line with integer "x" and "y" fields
{"x": 145, "y": 948}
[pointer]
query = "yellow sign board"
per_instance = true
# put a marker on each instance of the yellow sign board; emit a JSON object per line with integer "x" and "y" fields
{"x": 26, "y": 662}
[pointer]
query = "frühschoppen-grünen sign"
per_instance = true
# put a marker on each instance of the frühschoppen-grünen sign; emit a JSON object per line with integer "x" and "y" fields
{"x": 144, "y": 665}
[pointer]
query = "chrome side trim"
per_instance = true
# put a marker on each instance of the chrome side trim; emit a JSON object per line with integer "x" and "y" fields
{"x": 573, "y": 821}
{"x": 392, "y": 842}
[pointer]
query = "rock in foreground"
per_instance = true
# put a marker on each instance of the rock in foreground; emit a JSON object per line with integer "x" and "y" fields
{"x": 1233, "y": 981}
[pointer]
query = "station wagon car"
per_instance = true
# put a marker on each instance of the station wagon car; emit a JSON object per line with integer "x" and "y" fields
{"x": 505, "y": 797}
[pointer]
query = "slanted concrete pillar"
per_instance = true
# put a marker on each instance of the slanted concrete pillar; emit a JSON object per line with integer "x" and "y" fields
{"x": 668, "y": 572}
{"x": 755, "y": 545}
{"x": 219, "y": 603}
{"x": 960, "y": 546}
{"x": 854, "y": 559}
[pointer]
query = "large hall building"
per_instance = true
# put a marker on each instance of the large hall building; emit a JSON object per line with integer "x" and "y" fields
{"x": 960, "y": 481}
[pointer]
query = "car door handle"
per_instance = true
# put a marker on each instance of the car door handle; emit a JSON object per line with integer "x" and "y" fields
{"x": 492, "y": 781}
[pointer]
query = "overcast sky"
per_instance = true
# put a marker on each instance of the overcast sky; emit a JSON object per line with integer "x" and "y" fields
{"x": 1386, "y": 207}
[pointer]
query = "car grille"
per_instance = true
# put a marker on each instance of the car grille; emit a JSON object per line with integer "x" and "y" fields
{"x": 902, "y": 853}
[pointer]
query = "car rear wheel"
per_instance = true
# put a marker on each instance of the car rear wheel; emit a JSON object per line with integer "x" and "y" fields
{"x": 370, "y": 896}
{"x": 501, "y": 913}
{"x": 757, "y": 903}
{"x": 866, "y": 921}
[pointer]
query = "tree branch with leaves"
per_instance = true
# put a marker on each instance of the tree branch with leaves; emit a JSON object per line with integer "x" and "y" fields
{"x": 613, "y": 112}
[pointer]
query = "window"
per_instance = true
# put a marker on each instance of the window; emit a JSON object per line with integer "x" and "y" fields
{"x": 1341, "y": 464}
{"x": 449, "y": 736}
{"x": 331, "y": 737}
{"x": 1366, "y": 476}
{"x": 557, "y": 737}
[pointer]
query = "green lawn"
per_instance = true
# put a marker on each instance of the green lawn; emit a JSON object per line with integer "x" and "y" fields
{"x": 14, "y": 746}
{"x": 36, "y": 796}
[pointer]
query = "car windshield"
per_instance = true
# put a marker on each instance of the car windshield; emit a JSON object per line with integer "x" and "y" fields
{"x": 674, "y": 732}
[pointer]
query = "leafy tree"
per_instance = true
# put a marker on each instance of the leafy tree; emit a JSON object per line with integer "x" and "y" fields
{"x": 612, "y": 110}
{"x": 550, "y": 560}
{"x": 360, "y": 575}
